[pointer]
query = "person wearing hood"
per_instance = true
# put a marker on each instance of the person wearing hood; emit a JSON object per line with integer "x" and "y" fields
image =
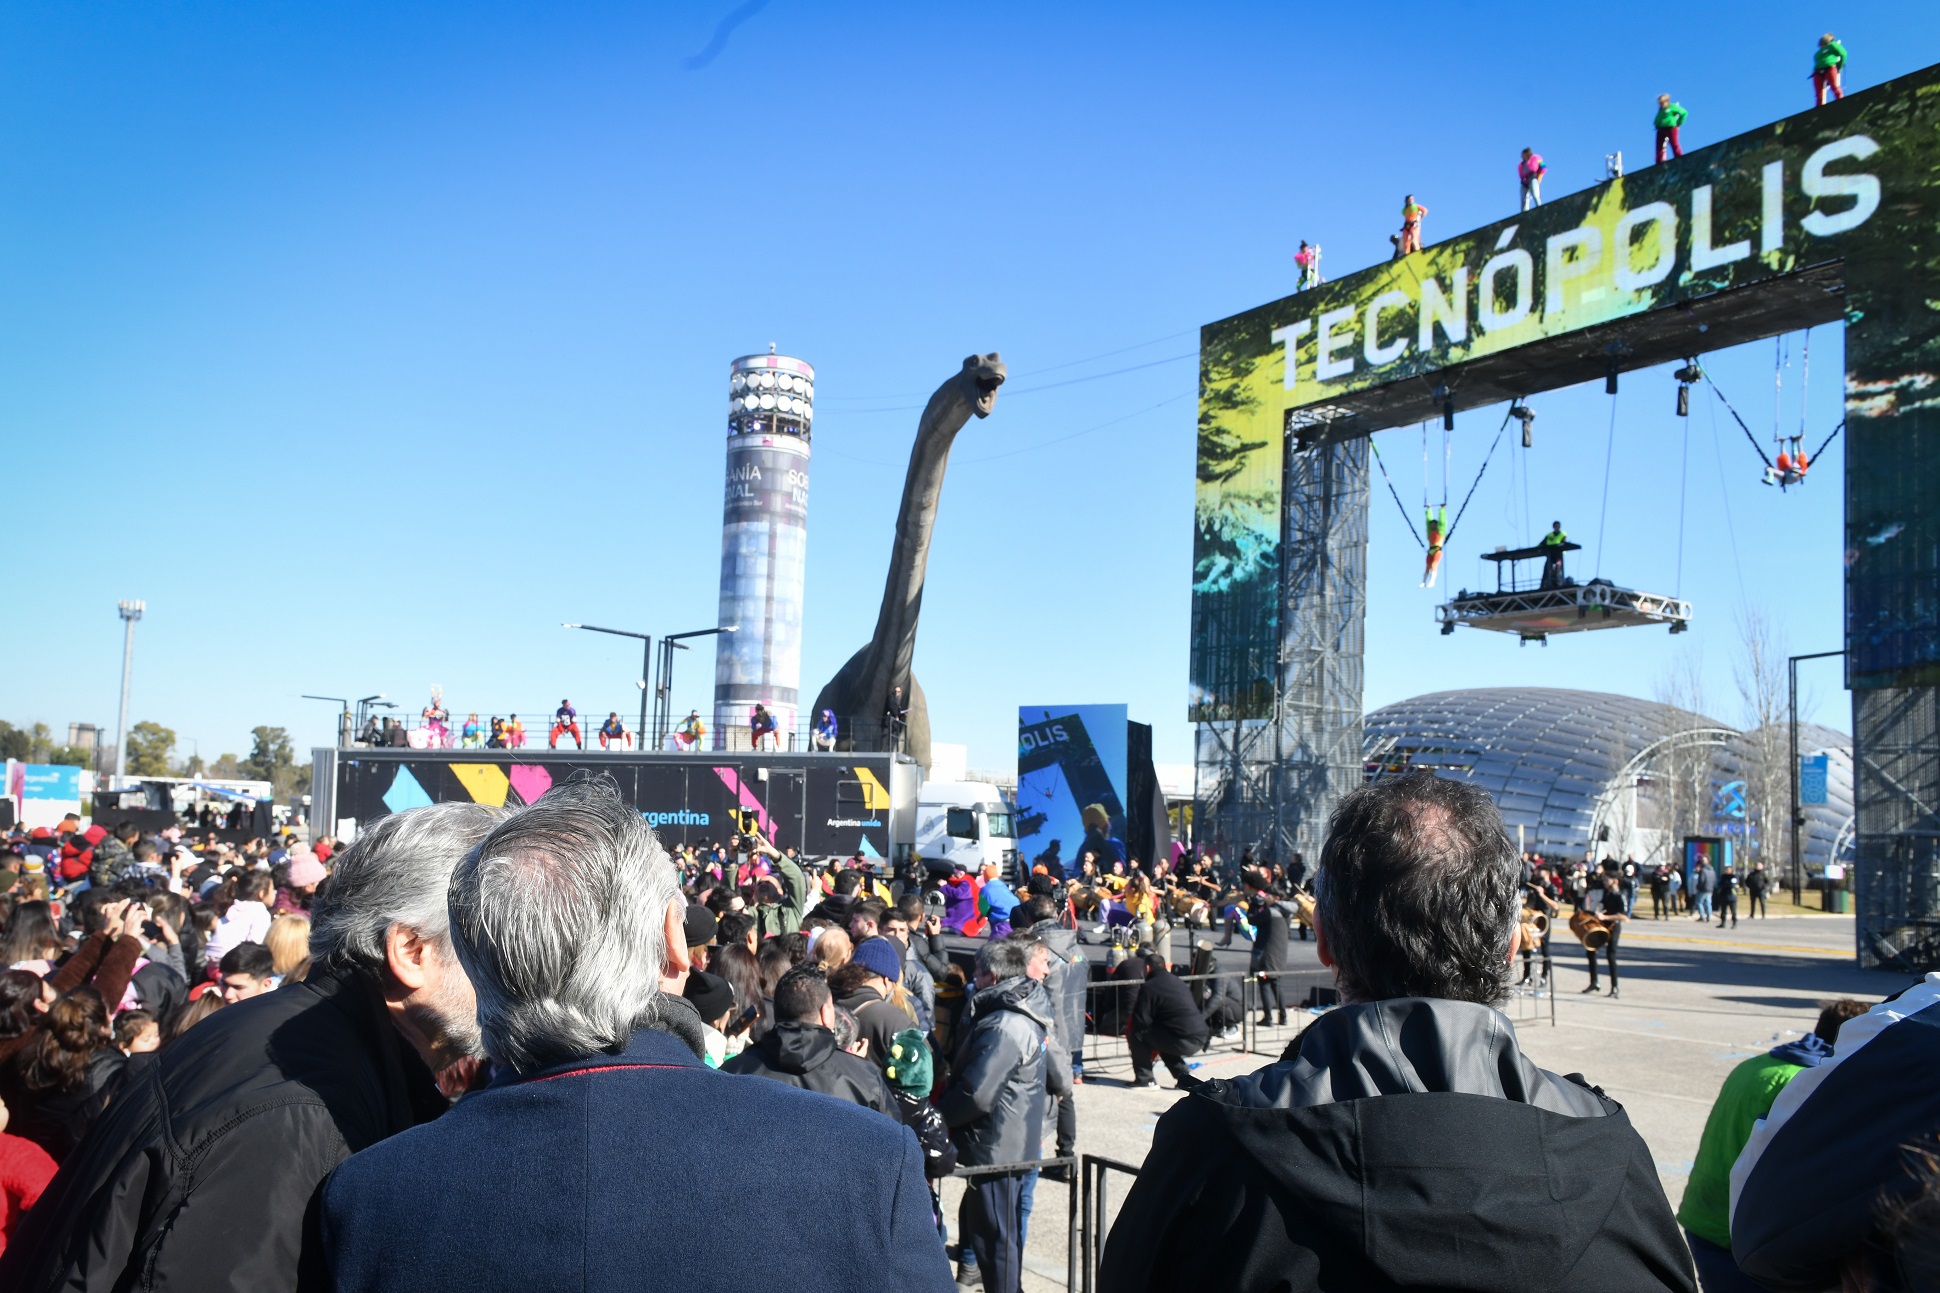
{"x": 1746, "y": 1096}
{"x": 997, "y": 1101}
{"x": 568, "y": 923}
{"x": 801, "y": 1051}
{"x": 1403, "y": 1141}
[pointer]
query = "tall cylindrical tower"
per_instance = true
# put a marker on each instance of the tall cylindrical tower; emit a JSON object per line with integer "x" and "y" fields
{"x": 764, "y": 546}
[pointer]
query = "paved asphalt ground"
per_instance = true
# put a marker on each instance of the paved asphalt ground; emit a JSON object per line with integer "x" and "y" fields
{"x": 1696, "y": 1000}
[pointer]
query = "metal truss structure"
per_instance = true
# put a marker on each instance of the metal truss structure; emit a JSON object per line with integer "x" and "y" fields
{"x": 1268, "y": 785}
{"x": 1896, "y": 784}
{"x": 1534, "y": 615}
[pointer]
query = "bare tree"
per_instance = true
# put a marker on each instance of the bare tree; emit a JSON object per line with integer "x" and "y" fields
{"x": 1683, "y": 772}
{"x": 1759, "y": 672}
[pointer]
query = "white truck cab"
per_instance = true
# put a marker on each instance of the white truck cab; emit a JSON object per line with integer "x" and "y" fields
{"x": 966, "y": 823}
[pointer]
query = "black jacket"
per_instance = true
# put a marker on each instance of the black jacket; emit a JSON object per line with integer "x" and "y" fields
{"x": 201, "y": 1173}
{"x": 1164, "y": 1012}
{"x": 931, "y": 950}
{"x": 1067, "y": 980}
{"x": 57, "y": 1120}
{"x": 922, "y": 1117}
{"x": 1404, "y": 1144}
{"x": 806, "y": 1056}
{"x": 1269, "y": 937}
{"x": 1221, "y": 1002}
{"x": 879, "y": 1020}
{"x": 1007, "y": 1071}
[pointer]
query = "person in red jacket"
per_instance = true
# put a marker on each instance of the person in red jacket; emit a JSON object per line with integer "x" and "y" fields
{"x": 25, "y": 1170}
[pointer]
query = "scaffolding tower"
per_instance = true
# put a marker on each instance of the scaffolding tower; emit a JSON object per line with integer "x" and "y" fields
{"x": 1268, "y": 785}
{"x": 1896, "y": 793}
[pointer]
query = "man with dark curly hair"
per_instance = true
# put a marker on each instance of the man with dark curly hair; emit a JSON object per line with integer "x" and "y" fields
{"x": 1403, "y": 1141}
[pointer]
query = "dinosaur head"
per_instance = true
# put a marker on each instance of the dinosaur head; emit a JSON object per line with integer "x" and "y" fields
{"x": 982, "y": 375}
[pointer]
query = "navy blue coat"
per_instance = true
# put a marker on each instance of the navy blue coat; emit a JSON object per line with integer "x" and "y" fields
{"x": 643, "y": 1170}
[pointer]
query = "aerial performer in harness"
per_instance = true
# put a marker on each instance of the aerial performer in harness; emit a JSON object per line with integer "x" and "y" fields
{"x": 1828, "y": 67}
{"x": 1790, "y": 467}
{"x": 691, "y": 732}
{"x": 1437, "y": 524}
{"x": 1308, "y": 259}
{"x": 612, "y": 730}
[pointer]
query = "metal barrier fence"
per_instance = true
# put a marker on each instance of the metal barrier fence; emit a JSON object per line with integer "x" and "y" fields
{"x": 1074, "y": 1239}
{"x": 1090, "y": 1207}
{"x": 799, "y": 737}
{"x": 1109, "y": 1002}
{"x": 1087, "y": 1210}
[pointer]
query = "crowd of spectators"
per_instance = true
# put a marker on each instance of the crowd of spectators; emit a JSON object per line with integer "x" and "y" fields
{"x": 114, "y": 944}
{"x": 488, "y": 1047}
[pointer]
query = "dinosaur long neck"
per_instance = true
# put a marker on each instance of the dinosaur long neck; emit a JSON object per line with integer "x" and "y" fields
{"x": 894, "y": 644}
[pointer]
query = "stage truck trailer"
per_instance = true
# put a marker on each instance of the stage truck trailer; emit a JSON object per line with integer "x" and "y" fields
{"x": 825, "y": 805}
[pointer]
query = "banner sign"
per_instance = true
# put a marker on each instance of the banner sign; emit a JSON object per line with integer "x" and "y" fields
{"x": 1071, "y": 783}
{"x": 1814, "y": 777}
{"x": 1847, "y": 191}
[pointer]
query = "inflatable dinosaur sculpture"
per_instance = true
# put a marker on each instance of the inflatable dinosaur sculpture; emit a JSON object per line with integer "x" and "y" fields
{"x": 875, "y": 697}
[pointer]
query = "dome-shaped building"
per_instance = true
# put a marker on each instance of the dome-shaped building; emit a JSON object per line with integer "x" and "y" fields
{"x": 1569, "y": 768}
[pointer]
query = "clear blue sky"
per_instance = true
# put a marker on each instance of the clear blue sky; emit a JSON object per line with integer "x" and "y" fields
{"x": 369, "y": 342}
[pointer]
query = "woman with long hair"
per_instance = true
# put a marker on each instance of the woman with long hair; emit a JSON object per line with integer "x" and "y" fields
{"x": 32, "y": 942}
{"x": 59, "y": 1082}
{"x": 23, "y": 996}
{"x": 191, "y": 1014}
{"x": 750, "y": 1021}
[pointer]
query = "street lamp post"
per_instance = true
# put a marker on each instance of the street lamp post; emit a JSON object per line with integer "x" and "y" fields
{"x": 646, "y": 665}
{"x": 1798, "y": 818}
{"x": 663, "y": 691}
{"x": 130, "y": 612}
{"x": 343, "y": 719}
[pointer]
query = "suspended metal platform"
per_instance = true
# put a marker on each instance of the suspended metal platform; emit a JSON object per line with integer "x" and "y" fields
{"x": 1534, "y": 608}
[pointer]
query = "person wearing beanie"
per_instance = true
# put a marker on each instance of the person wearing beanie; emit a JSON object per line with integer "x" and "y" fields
{"x": 869, "y": 988}
{"x": 306, "y": 873}
{"x": 713, "y": 1000}
{"x": 699, "y": 926}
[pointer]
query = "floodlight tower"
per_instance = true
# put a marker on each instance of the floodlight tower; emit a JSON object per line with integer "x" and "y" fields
{"x": 764, "y": 545}
{"x": 130, "y": 612}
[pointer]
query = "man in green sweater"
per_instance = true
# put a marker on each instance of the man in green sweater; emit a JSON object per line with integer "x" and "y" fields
{"x": 1746, "y": 1097}
{"x": 1828, "y": 69}
{"x": 1670, "y": 116}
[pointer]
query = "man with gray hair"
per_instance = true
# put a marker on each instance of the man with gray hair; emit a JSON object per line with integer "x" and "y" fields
{"x": 204, "y": 1171}
{"x": 1403, "y": 1141}
{"x": 605, "y": 1153}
